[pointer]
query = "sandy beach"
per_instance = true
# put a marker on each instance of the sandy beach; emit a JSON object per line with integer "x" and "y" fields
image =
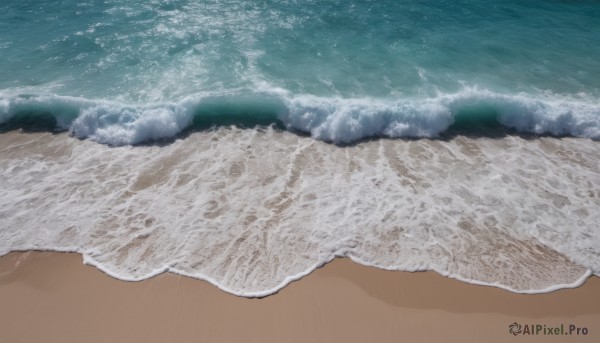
{"x": 53, "y": 297}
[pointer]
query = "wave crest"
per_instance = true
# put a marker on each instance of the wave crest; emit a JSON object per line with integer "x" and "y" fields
{"x": 122, "y": 125}
{"x": 335, "y": 120}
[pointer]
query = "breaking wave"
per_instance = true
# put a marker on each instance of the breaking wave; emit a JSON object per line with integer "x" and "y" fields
{"x": 330, "y": 119}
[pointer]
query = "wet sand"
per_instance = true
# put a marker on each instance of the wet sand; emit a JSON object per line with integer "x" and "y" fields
{"x": 53, "y": 297}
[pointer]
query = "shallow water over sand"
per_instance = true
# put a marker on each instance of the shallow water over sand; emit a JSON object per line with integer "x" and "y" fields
{"x": 251, "y": 210}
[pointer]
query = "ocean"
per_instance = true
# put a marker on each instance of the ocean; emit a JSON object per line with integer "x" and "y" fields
{"x": 247, "y": 143}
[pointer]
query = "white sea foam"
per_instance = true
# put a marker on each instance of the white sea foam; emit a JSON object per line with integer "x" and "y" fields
{"x": 335, "y": 120}
{"x": 251, "y": 210}
{"x": 347, "y": 120}
{"x": 122, "y": 125}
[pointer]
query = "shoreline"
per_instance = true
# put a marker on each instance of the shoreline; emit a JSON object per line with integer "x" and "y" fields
{"x": 54, "y": 297}
{"x": 497, "y": 219}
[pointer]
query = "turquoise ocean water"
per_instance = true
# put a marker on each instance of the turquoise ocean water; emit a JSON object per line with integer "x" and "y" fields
{"x": 126, "y": 72}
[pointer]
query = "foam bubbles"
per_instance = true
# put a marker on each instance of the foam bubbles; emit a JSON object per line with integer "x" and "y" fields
{"x": 120, "y": 125}
{"x": 331, "y": 119}
{"x": 251, "y": 210}
{"x": 348, "y": 120}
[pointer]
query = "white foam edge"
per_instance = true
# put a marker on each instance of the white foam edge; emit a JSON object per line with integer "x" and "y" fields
{"x": 88, "y": 260}
{"x": 553, "y": 288}
{"x": 332, "y": 119}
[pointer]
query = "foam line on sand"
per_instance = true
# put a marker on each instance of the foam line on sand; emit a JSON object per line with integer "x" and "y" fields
{"x": 54, "y": 297}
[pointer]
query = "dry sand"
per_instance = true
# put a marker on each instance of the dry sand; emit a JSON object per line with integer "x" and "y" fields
{"x": 53, "y": 297}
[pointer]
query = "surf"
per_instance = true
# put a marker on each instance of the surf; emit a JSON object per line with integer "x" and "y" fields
{"x": 331, "y": 119}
